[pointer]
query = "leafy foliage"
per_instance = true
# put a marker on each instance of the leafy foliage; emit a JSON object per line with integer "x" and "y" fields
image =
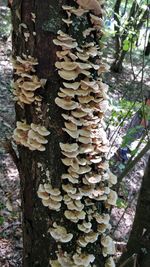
{"x": 5, "y": 22}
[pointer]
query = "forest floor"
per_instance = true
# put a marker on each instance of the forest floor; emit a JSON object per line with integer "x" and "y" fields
{"x": 10, "y": 204}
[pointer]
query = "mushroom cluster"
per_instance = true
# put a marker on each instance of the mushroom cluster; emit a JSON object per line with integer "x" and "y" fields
{"x": 108, "y": 245}
{"x": 32, "y": 136}
{"x": 26, "y": 83}
{"x": 59, "y": 233}
{"x": 77, "y": 260}
{"x": 51, "y": 197}
{"x": 84, "y": 101}
{"x": 85, "y": 194}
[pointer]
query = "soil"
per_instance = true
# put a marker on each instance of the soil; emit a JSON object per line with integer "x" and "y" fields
{"x": 10, "y": 204}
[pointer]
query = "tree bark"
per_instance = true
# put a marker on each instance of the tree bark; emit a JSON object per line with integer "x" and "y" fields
{"x": 35, "y": 25}
{"x": 117, "y": 29}
{"x": 36, "y": 167}
{"x": 139, "y": 240}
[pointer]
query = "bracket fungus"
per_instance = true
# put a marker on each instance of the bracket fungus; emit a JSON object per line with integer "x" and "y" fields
{"x": 26, "y": 83}
{"x": 59, "y": 233}
{"x": 108, "y": 246}
{"x": 32, "y": 136}
{"x": 51, "y": 197}
{"x": 82, "y": 99}
{"x": 90, "y": 237}
{"x": 83, "y": 259}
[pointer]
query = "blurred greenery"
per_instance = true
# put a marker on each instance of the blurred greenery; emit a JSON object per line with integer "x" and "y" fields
{"x": 121, "y": 203}
{"x": 5, "y": 22}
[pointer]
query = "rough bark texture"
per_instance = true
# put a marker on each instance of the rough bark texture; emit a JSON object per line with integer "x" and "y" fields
{"x": 139, "y": 241}
{"x": 36, "y": 218}
{"x": 37, "y": 167}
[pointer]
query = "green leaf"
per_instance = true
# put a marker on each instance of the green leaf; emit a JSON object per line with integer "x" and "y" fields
{"x": 2, "y": 220}
{"x": 121, "y": 203}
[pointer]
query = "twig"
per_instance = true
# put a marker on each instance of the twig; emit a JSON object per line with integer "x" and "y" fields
{"x": 142, "y": 78}
{"x": 123, "y": 215}
{"x": 131, "y": 60}
{"x": 128, "y": 260}
{"x": 11, "y": 225}
{"x": 132, "y": 163}
{"x": 135, "y": 261}
{"x": 137, "y": 147}
{"x": 118, "y": 128}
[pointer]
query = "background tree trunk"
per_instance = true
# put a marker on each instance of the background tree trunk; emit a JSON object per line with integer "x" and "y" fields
{"x": 139, "y": 240}
{"x": 117, "y": 29}
{"x": 132, "y": 24}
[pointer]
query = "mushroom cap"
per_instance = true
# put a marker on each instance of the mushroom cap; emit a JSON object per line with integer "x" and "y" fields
{"x": 54, "y": 205}
{"x": 112, "y": 178}
{"x": 66, "y": 103}
{"x": 91, "y": 237}
{"x": 85, "y": 99}
{"x": 54, "y": 263}
{"x": 71, "y": 162}
{"x": 68, "y": 44}
{"x": 73, "y": 134}
{"x": 110, "y": 262}
{"x": 40, "y": 129}
{"x": 22, "y": 126}
{"x": 75, "y": 216}
{"x": 72, "y": 119}
{"x": 69, "y": 147}
{"x": 102, "y": 218}
{"x": 72, "y": 154}
{"x": 78, "y": 113}
{"x": 52, "y": 191}
{"x": 93, "y": 179}
{"x": 96, "y": 20}
{"x": 59, "y": 233}
{"x": 68, "y": 75}
{"x": 37, "y": 137}
{"x": 110, "y": 248}
{"x": 106, "y": 240}
{"x": 73, "y": 86}
{"x": 68, "y": 188}
{"x": 83, "y": 259}
{"x": 66, "y": 65}
{"x": 67, "y": 21}
{"x": 112, "y": 197}
{"x": 71, "y": 126}
{"x": 70, "y": 178}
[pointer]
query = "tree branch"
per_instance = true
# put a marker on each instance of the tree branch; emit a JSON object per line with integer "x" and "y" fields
{"x": 132, "y": 164}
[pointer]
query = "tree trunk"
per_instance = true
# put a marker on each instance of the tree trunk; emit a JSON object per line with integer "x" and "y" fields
{"x": 139, "y": 240}
{"x": 51, "y": 235}
{"x": 117, "y": 29}
{"x": 37, "y": 167}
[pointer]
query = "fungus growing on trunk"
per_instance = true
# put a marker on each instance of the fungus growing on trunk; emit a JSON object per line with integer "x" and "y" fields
{"x": 84, "y": 196}
{"x": 31, "y": 136}
{"x": 60, "y": 234}
{"x": 26, "y": 83}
